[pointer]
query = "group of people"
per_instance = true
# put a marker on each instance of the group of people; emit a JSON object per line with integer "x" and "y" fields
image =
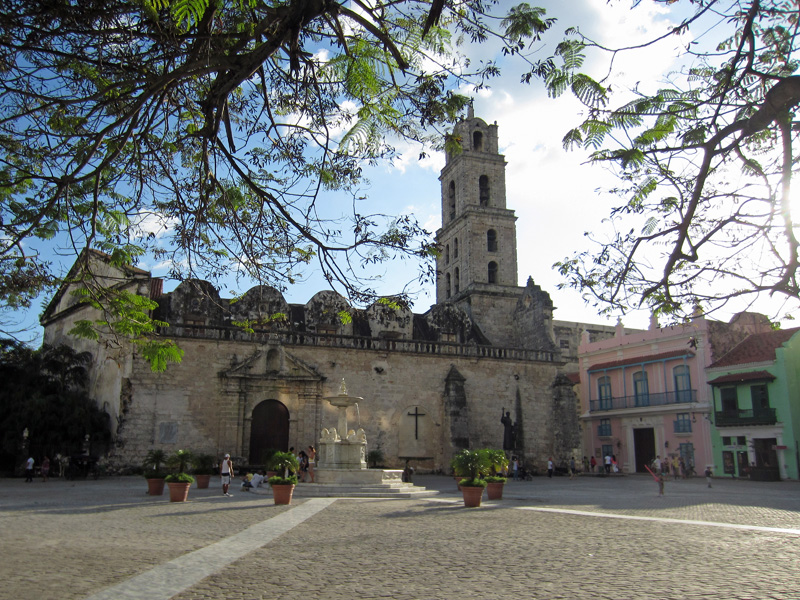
{"x": 677, "y": 465}
{"x": 305, "y": 460}
{"x": 29, "y": 469}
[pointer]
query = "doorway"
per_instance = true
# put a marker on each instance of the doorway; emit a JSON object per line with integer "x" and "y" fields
{"x": 644, "y": 447}
{"x": 269, "y": 429}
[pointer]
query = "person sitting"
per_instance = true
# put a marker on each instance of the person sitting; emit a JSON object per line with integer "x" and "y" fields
{"x": 246, "y": 485}
{"x": 258, "y": 479}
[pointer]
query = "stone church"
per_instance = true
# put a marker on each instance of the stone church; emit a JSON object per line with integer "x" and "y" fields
{"x": 431, "y": 384}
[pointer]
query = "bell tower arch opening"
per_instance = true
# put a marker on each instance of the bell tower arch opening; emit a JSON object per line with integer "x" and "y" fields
{"x": 483, "y": 190}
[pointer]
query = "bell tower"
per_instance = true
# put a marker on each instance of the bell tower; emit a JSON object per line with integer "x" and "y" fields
{"x": 477, "y": 266}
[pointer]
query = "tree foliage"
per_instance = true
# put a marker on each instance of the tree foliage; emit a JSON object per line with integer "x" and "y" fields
{"x": 706, "y": 163}
{"x": 44, "y": 391}
{"x": 206, "y": 133}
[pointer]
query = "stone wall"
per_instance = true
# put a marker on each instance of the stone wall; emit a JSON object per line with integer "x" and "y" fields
{"x": 205, "y": 402}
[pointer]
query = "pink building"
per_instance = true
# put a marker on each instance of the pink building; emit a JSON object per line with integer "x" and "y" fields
{"x": 644, "y": 395}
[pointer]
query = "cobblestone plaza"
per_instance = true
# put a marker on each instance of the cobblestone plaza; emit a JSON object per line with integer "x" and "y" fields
{"x": 605, "y": 538}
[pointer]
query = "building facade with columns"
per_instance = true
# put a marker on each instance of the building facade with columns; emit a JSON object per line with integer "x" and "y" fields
{"x": 644, "y": 394}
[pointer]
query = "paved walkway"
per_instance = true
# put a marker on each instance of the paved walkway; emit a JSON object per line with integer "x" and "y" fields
{"x": 549, "y": 538}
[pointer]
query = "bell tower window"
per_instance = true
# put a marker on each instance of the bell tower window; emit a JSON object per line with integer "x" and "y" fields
{"x": 491, "y": 240}
{"x": 477, "y": 141}
{"x": 455, "y": 248}
{"x": 447, "y": 286}
{"x": 457, "y": 280}
{"x": 483, "y": 190}
{"x": 492, "y": 272}
{"x": 447, "y": 254}
{"x": 451, "y": 199}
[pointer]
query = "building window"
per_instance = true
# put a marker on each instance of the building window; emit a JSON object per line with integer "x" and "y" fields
{"x": 604, "y": 392}
{"x": 641, "y": 390}
{"x": 682, "y": 423}
{"x": 759, "y": 396}
{"x": 458, "y": 280}
{"x": 729, "y": 399}
{"x": 447, "y": 286}
{"x": 604, "y": 429}
{"x": 491, "y": 240}
{"x": 492, "y": 272}
{"x": 451, "y": 199}
{"x": 477, "y": 141}
{"x": 483, "y": 190}
{"x": 683, "y": 383}
{"x": 447, "y": 254}
{"x": 564, "y": 344}
{"x": 455, "y": 248}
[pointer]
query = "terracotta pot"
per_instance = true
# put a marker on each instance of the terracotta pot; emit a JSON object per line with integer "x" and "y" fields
{"x": 472, "y": 496}
{"x": 458, "y": 481}
{"x": 494, "y": 491}
{"x": 202, "y": 481}
{"x": 178, "y": 492}
{"x": 155, "y": 487}
{"x": 283, "y": 493}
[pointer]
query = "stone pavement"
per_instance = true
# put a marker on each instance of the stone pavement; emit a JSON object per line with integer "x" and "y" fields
{"x": 594, "y": 538}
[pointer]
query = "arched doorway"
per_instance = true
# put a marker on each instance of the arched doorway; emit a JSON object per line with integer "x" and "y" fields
{"x": 269, "y": 429}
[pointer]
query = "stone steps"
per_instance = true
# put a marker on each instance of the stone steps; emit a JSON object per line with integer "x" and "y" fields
{"x": 334, "y": 490}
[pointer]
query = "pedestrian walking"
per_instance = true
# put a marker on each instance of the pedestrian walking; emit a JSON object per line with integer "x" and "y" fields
{"x": 29, "y": 469}
{"x": 592, "y": 464}
{"x": 607, "y": 462}
{"x": 709, "y": 473}
{"x": 550, "y": 467}
{"x": 660, "y": 480}
{"x": 45, "y": 468}
{"x": 226, "y": 472}
{"x": 572, "y": 467}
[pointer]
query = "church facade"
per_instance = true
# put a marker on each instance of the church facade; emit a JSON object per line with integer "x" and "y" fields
{"x": 431, "y": 383}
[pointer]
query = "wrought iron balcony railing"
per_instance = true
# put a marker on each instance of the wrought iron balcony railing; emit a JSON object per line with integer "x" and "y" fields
{"x": 733, "y": 418}
{"x": 643, "y": 400}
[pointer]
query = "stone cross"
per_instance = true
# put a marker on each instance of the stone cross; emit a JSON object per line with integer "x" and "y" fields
{"x": 416, "y": 414}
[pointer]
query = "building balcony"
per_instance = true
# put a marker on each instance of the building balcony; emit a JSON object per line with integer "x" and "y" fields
{"x": 643, "y": 400}
{"x": 737, "y": 418}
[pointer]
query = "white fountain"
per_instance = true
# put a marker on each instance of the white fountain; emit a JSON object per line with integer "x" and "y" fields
{"x": 342, "y": 465}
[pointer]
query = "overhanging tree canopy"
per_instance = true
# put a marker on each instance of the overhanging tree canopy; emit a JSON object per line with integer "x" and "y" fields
{"x": 706, "y": 162}
{"x": 223, "y": 122}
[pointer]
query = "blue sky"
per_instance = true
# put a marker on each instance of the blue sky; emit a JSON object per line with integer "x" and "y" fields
{"x": 555, "y": 194}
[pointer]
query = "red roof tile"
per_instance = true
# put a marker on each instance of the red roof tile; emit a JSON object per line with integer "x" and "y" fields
{"x": 642, "y": 359}
{"x": 759, "y": 347}
{"x": 742, "y": 377}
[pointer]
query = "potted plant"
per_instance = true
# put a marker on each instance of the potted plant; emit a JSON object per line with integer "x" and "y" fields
{"x": 498, "y": 462}
{"x": 179, "y": 481}
{"x": 286, "y": 465}
{"x": 472, "y": 464}
{"x": 153, "y": 473}
{"x": 203, "y": 467}
{"x": 266, "y": 458}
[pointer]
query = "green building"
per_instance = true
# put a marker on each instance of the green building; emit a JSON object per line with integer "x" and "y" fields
{"x": 756, "y": 407}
